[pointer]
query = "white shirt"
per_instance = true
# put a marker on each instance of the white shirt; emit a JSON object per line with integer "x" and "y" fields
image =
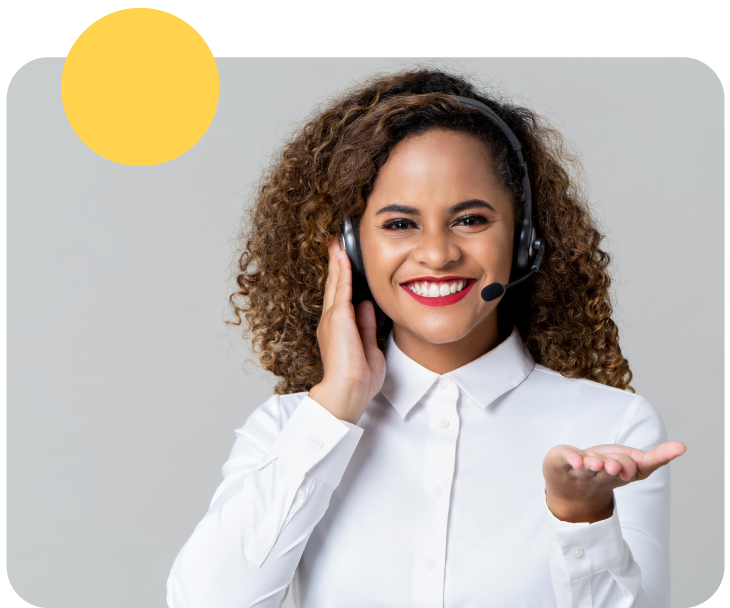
{"x": 435, "y": 499}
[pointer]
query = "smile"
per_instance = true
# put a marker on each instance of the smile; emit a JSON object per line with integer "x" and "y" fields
{"x": 432, "y": 291}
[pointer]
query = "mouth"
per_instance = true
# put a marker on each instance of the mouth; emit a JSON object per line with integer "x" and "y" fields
{"x": 434, "y": 291}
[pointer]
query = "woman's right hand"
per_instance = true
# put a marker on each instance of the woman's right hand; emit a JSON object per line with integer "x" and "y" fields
{"x": 354, "y": 366}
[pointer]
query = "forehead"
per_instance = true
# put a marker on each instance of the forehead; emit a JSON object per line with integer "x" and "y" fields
{"x": 438, "y": 166}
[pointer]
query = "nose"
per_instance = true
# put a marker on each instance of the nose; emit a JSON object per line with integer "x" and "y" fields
{"x": 436, "y": 249}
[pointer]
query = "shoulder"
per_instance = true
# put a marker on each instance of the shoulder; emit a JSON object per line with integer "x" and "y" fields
{"x": 548, "y": 378}
{"x": 641, "y": 422}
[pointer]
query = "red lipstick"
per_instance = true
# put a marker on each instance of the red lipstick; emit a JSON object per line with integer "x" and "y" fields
{"x": 440, "y": 301}
{"x": 437, "y": 279}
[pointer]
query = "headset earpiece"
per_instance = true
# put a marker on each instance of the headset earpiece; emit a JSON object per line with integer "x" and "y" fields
{"x": 351, "y": 244}
{"x": 532, "y": 243}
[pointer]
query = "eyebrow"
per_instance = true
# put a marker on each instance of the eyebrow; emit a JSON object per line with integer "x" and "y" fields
{"x": 470, "y": 204}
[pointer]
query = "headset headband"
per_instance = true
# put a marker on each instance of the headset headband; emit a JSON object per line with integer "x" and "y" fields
{"x": 525, "y": 238}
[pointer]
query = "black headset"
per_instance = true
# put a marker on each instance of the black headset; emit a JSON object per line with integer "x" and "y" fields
{"x": 529, "y": 243}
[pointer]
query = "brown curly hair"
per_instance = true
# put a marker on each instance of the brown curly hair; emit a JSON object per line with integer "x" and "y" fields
{"x": 328, "y": 168}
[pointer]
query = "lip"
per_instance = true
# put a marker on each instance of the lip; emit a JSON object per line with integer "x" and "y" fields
{"x": 441, "y": 301}
{"x": 438, "y": 279}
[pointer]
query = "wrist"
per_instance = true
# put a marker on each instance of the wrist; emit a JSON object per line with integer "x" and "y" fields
{"x": 580, "y": 511}
{"x": 341, "y": 401}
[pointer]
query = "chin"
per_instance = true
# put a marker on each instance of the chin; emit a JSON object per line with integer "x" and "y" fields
{"x": 440, "y": 329}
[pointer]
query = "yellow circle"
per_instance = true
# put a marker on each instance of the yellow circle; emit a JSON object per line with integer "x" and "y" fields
{"x": 140, "y": 87}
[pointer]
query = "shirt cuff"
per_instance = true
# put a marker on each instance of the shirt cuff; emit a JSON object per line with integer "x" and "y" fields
{"x": 313, "y": 432}
{"x": 583, "y": 549}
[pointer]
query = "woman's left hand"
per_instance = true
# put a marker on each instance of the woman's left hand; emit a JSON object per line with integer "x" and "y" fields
{"x": 579, "y": 483}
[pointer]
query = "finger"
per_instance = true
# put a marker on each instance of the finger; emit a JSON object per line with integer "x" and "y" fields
{"x": 612, "y": 466}
{"x": 662, "y": 454}
{"x": 616, "y": 466}
{"x": 574, "y": 458}
{"x": 367, "y": 326}
{"x": 343, "y": 293}
{"x": 628, "y": 469}
{"x": 332, "y": 275}
{"x": 606, "y": 472}
{"x": 612, "y": 449}
{"x": 594, "y": 463}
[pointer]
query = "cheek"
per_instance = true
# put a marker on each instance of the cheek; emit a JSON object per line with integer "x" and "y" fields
{"x": 494, "y": 256}
{"x": 381, "y": 261}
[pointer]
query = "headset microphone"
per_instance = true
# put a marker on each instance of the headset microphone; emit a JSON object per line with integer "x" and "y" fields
{"x": 494, "y": 290}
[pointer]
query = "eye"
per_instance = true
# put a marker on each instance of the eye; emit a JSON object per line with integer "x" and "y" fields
{"x": 400, "y": 224}
{"x": 471, "y": 220}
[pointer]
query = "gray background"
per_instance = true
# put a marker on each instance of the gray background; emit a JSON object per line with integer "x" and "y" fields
{"x": 125, "y": 386}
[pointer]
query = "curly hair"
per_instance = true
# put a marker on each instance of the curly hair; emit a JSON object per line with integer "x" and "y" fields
{"x": 328, "y": 168}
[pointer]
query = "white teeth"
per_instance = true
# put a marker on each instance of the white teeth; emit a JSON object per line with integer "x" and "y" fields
{"x": 436, "y": 290}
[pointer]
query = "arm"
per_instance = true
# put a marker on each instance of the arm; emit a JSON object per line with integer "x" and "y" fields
{"x": 616, "y": 555}
{"x": 277, "y": 486}
{"x": 280, "y": 476}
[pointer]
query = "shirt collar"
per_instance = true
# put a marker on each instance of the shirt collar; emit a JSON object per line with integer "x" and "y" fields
{"x": 483, "y": 380}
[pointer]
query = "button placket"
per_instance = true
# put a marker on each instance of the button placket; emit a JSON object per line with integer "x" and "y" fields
{"x": 446, "y": 396}
{"x": 440, "y": 477}
{"x": 438, "y": 473}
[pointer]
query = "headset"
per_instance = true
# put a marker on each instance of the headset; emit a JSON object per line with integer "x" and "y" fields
{"x": 529, "y": 242}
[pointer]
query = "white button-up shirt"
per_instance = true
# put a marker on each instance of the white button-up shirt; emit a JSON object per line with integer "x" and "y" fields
{"x": 435, "y": 499}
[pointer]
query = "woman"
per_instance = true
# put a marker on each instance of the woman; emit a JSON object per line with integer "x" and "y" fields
{"x": 432, "y": 447}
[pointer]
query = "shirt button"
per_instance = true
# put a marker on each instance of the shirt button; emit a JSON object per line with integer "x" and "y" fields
{"x": 443, "y": 423}
{"x": 443, "y": 385}
{"x": 317, "y": 444}
{"x": 437, "y": 492}
{"x": 430, "y": 562}
{"x": 577, "y": 552}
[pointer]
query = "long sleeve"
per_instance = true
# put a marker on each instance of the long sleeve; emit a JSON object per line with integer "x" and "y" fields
{"x": 277, "y": 486}
{"x": 622, "y": 561}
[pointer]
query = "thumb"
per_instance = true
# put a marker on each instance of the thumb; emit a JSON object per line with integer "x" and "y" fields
{"x": 661, "y": 455}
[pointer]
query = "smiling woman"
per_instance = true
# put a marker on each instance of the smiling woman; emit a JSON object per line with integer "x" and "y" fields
{"x": 423, "y": 448}
{"x": 335, "y": 165}
{"x": 452, "y": 226}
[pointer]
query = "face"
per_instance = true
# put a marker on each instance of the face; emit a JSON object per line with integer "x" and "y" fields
{"x": 438, "y": 222}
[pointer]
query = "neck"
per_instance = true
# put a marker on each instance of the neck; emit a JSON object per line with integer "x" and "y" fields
{"x": 446, "y": 357}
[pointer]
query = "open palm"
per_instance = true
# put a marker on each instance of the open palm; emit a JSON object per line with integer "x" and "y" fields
{"x": 589, "y": 476}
